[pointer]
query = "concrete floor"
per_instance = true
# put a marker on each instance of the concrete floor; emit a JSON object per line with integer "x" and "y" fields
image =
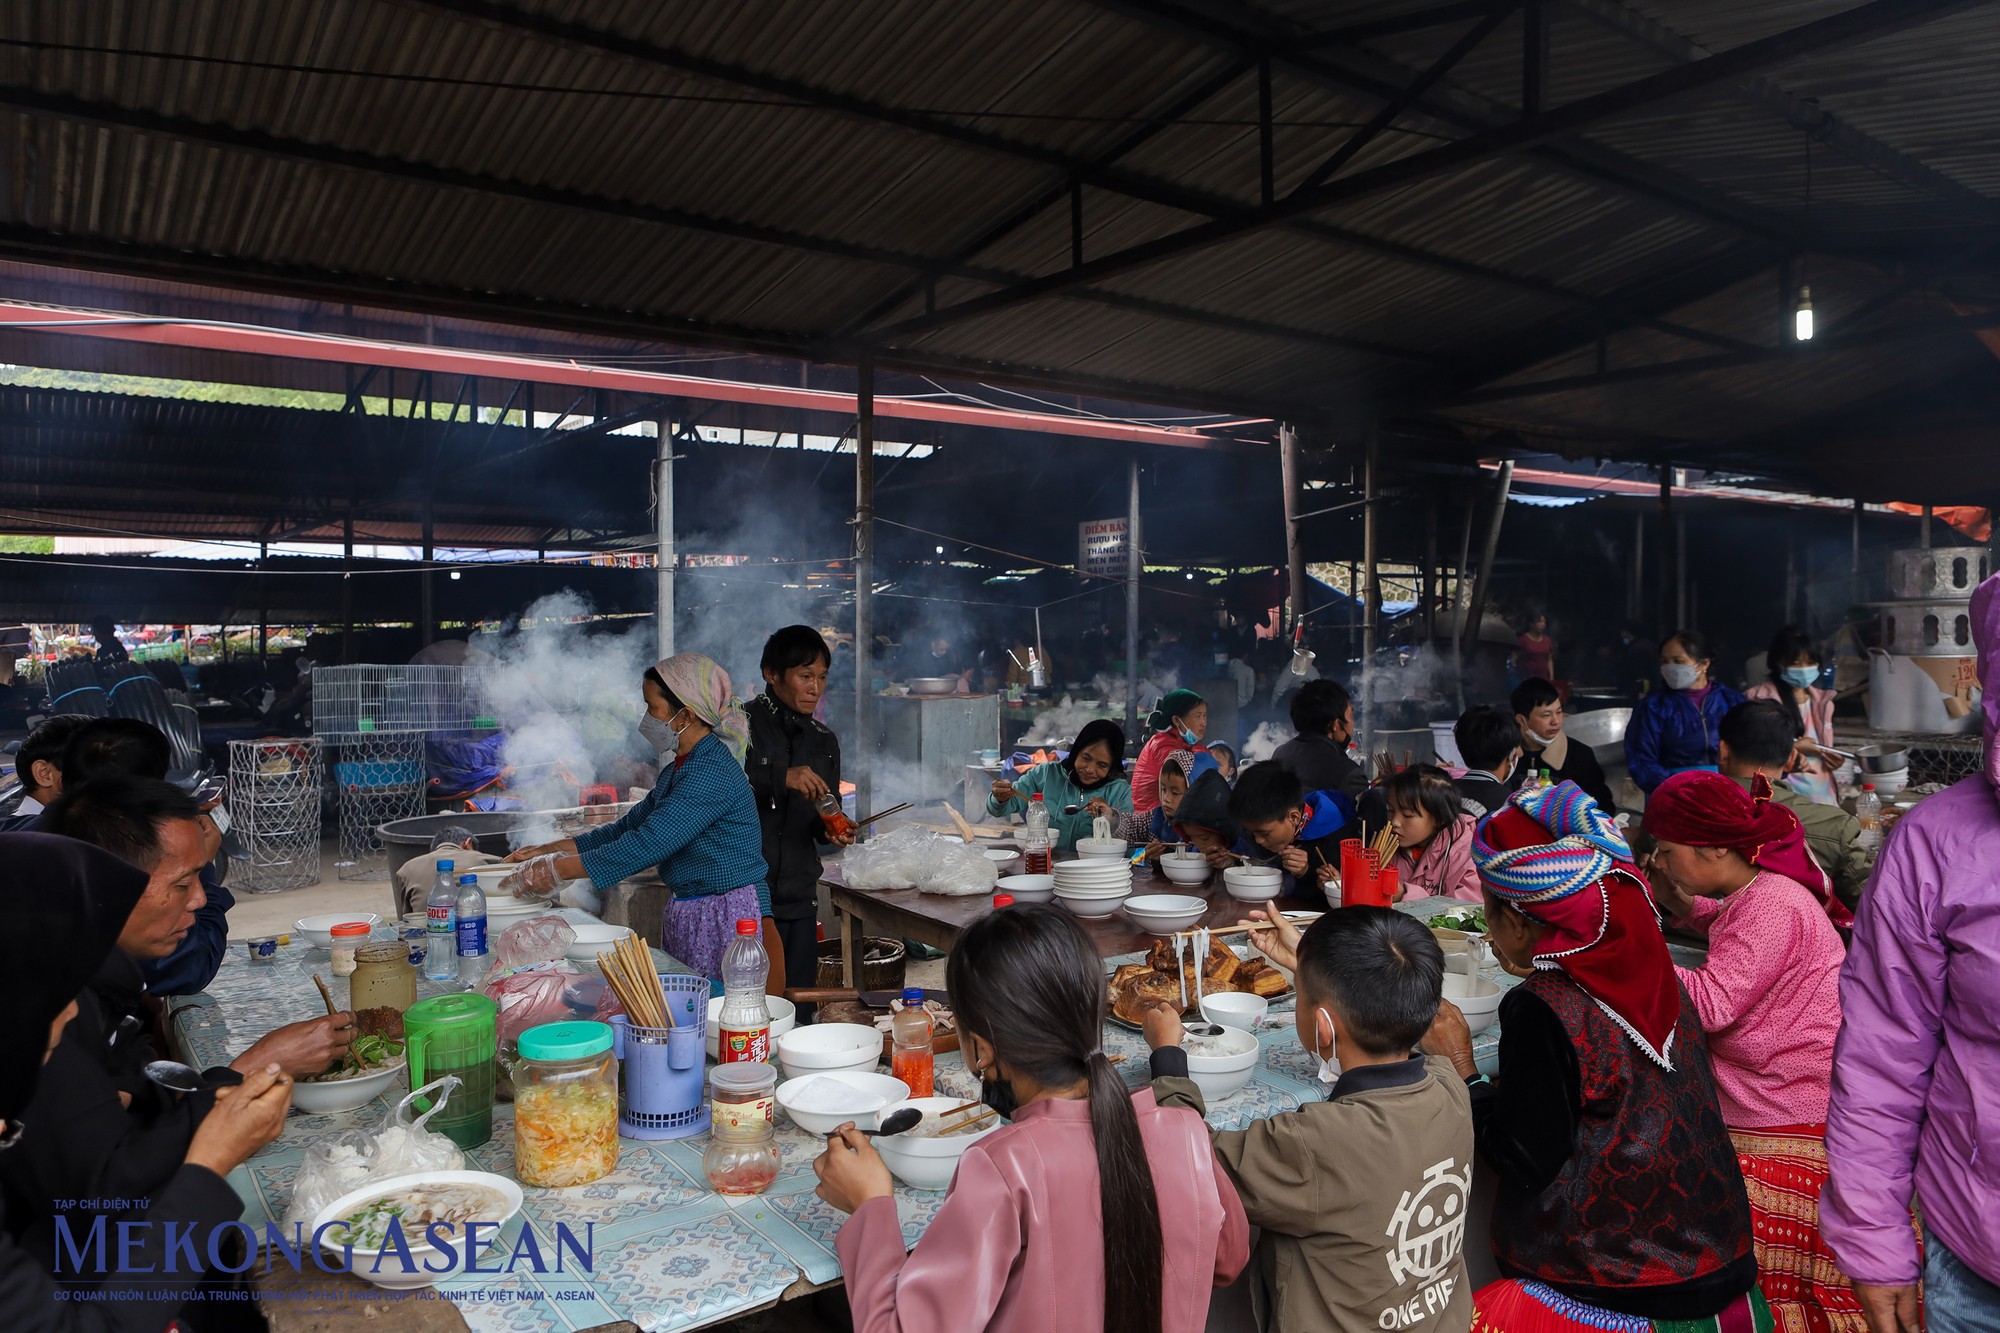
{"x": 258, "y": 914}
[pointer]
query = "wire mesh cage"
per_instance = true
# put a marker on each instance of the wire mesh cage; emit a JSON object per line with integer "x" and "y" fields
{"x": 378, "y": 777}
{"x": 274, "y": 801}
{"x": 358, "y": 700}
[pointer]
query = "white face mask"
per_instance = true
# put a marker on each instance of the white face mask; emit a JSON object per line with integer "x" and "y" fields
{"x": 1547, "y": 740}
{"x": 1329, "y": 1068}
{"x": 1679, "y": 675}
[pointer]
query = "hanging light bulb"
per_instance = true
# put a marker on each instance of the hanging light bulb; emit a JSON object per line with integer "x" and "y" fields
{"x": 1802, "y": 318}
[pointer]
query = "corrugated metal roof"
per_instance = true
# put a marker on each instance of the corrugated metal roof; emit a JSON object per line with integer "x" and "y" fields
{"x": 785, "y": 174}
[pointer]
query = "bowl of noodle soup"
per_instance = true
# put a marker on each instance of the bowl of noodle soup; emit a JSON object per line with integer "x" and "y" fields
{"x": 431, "y": 1211}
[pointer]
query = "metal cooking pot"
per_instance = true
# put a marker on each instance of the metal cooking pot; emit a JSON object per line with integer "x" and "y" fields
{"x": 1882, "y": 758}
{"x": 932, "y": 684}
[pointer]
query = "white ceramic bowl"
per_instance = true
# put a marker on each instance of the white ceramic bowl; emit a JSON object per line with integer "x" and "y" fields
{"x": 1186, "y": 869}
{"x": 318, "y": 929}
{"x": 1476, "y": 997}
{"x": 1086, "y": 862}
{"x": 1233, "y": 1009}
{"x": 1028, "y": 888}
{"x": 506, "y": 907}
{"x": 347, "y": 1094}
{"x": 1086, "y": 883}
{"x": 1164, "y": 913}
{"x": 884, "y": 1090}
{"x": 1002, "y": 857}
{"x": 1221, "y": 1077}
{"x": 387, "y": 1268}
{"x": 1253, "y": 884}
{"x": 1107, "y": 847}
{"x": 826, "y": 1046}
{"x": 784, "y": 1017}
{"x": 1109, "y": 891}
{"x": 1091, "y": 909}
{"x": 928, "y": 1164}
{"x": 594, "y": 938}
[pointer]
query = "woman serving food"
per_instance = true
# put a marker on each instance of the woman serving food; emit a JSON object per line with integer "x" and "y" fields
{"x": 1092, "y": 779}
{"x": 698, "y": 825}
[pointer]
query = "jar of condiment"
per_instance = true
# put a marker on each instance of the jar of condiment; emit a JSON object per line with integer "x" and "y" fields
{"x": 383, "y": 978}
{"x": 347, "y": 937}
{"x": 565, "y": 1105}
{"x": 742, "y": 1156}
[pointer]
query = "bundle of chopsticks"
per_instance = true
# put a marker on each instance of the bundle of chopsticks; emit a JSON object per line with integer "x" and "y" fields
{"x": 1386, "y": 843}
{"x": 628, "y": 970}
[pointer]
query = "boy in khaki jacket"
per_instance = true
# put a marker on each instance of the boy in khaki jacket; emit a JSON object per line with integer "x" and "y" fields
{"x": 1362, "y": 1197}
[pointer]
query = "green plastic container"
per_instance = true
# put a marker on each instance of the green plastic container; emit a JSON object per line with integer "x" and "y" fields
{"x": 455, "y": 1034}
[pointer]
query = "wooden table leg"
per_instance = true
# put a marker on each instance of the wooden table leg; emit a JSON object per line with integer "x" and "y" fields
{"x": 852, "y": 930}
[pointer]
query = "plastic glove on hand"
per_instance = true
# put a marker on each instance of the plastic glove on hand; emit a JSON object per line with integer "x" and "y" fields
{"x": 535, "y": 879}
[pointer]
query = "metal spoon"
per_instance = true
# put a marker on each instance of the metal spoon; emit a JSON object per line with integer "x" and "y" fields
{"x": 1202, "y": 1029}
{"x": 901, "y": 1122}
{"x": 175, "y": 1076}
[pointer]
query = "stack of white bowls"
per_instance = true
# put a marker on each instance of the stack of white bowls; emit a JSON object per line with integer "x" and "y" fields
{"x": 1093, "y": 887}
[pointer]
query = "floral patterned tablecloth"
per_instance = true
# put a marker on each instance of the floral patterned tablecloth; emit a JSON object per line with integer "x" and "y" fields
{"x": 669, "y": 1253}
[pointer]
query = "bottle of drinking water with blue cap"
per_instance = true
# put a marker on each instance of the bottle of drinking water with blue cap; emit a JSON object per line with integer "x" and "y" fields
{"x": 471, "y": 930}
{"x": 441, "y": 927}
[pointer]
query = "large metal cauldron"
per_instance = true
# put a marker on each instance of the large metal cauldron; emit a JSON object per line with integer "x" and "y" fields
{"x": 405, "y": 838}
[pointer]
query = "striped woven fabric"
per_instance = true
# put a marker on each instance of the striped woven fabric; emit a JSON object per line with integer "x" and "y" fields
{"x": 1587, "y": 844}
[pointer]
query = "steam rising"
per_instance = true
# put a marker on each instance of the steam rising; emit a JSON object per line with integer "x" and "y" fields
{"x": 567, "y": 696}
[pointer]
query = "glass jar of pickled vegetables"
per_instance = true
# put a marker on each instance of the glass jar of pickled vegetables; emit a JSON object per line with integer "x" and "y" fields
{"x": 565, "y": 1105}
{"x": 742, "y": 1155}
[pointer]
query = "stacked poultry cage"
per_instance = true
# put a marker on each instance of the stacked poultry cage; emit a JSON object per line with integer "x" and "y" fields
{"x": 375, "y": 719}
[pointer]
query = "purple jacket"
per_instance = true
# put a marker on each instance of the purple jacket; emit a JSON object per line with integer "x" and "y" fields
{"x": 1916, "y": 1070}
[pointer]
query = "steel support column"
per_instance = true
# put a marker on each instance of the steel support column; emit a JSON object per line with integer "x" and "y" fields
{"x": 863, "y": 745}
{"x": 1133, "y": 569}
{"x": 427, "y": 630}
{"x": 1664, "y": 616}
{"x": 1371, "y": 608}
{"x": 663, "y": 516}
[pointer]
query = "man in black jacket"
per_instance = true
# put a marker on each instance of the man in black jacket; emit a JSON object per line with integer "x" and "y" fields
{"x": 1323, "y": 715}
{"x": 1538, "y": 712}
{"x": 98, "y": 1127}
{"x": 793, "y": 762}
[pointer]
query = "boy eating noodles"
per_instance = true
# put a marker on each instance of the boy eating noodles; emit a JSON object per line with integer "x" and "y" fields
{"x": 1362, "y": 1197}
{"x": 1302, "y": 829}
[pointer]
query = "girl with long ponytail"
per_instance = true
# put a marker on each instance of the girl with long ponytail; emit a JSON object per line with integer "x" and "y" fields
{"x": 1094, "y": 1209}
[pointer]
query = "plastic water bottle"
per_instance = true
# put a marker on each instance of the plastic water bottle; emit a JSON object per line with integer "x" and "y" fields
{"x": 1036, "y": 842}
{"x": 441, "y": 927}
{"x": 1868, "y": 810}
{"x": 471, "y": 929}
{"x": 912, "y": 1061}
{"x": 743, "y": 1028}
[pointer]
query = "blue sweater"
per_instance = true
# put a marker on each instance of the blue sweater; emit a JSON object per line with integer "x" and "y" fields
{"x": 698, "y": 825}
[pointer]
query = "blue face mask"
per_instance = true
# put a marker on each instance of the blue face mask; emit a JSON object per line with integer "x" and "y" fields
{"x": 1799, "y": 677}
{"x": 1190, "y": 737}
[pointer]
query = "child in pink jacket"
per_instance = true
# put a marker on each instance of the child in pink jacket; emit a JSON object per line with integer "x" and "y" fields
{"x": 1093, "y": 1200}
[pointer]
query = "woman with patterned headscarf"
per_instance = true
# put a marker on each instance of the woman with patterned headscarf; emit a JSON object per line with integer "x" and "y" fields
{"x": 1732, "y": 865}
{"x": 1620, "y": 1205}
{"x": 698, "y": 825}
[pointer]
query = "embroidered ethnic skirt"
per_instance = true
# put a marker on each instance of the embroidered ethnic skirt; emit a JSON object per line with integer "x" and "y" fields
{"x": 1515, "y": 1306}
{"x": 1785, "y": 1169}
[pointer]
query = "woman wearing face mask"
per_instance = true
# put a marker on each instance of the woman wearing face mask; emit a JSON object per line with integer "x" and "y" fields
{"x": 698, "y": 825}
{"x": 1620, "y": 1201}
{"x": 1094, "y": 1209}
{"x": 1676, "y": 728}
{"x": 1792, "y": 667}
{"x": 1091, "y": 778}
{"x": 1538, "y": 712}
{"x": 1178, "y": 723}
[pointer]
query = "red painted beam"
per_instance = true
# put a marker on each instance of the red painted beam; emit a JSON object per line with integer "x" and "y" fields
{"x": 257, "y": 341}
